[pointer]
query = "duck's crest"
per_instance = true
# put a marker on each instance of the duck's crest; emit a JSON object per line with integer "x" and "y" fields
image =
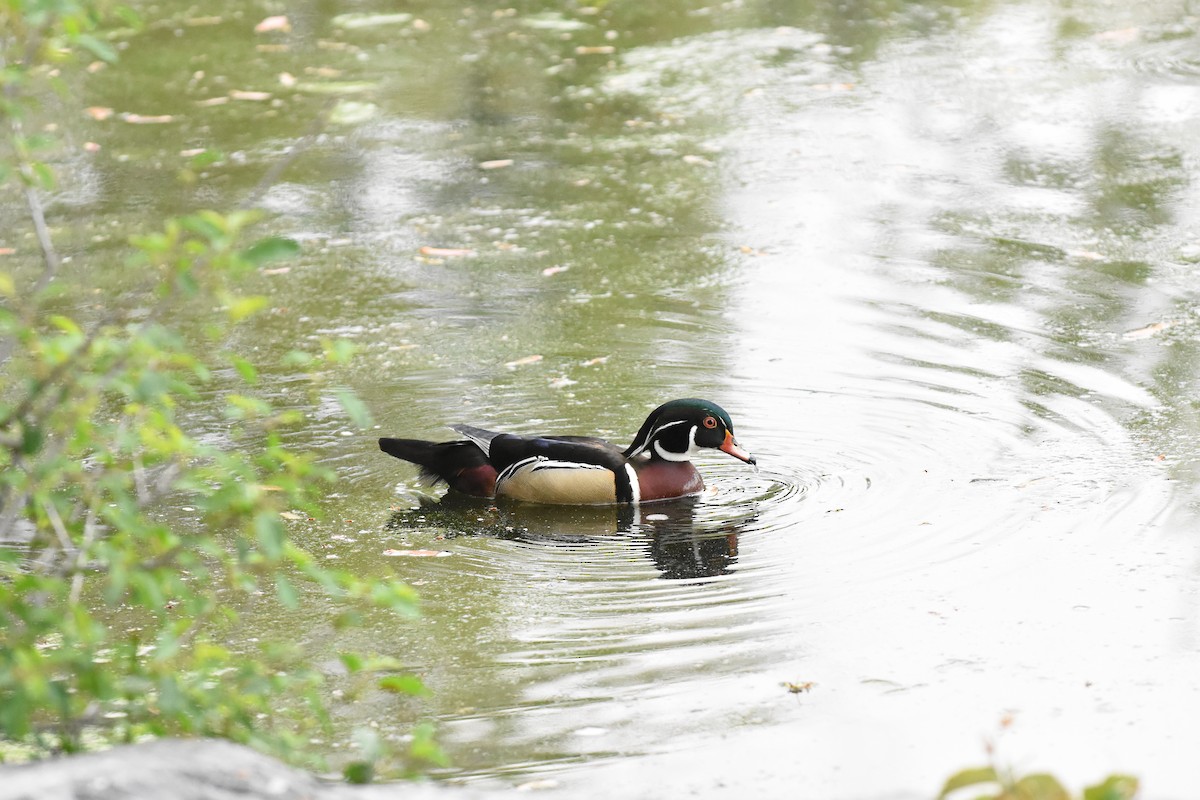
{"x": 482, "y": 438}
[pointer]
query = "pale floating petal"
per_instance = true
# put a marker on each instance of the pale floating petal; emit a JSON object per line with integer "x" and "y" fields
{"x": 243, "y": 94}
{"x": 334, "y": 87}
{"x": 276, "y": 23}
{"x": 552, "y": 21}
{"x": 147, "y": 119}
{"x": 1119, "y": 36}
{"x": 358, "y": 20}
{"x": 520, "y": 362}
{"x": 591, "y": 731}
{"x": 446, "y": 252}
{"x": 418, "y": 553}
{"x": 537, "y": 785}
{"x": 353, "y": 112}
{"x": 499, "y": 163}
{"x": 1150, "y": 330}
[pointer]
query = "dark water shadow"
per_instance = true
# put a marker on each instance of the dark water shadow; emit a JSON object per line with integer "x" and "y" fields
{"x": 678, "y": 536}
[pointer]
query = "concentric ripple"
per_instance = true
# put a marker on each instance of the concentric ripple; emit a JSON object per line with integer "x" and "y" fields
{"x": 917, "y": 338}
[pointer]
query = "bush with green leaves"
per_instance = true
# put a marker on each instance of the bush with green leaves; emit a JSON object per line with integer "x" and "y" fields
{"x": 114, "y": 607}
{"x": 999, "y": 784}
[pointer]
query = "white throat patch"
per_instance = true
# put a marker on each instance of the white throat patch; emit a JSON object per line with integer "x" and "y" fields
{"x": 667, "y": 455}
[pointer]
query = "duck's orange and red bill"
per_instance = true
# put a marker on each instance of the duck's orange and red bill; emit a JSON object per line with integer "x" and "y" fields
{"x": 731, "y": 446}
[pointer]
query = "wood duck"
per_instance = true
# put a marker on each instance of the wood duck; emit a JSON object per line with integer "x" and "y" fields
{"x": 580, "y": 470}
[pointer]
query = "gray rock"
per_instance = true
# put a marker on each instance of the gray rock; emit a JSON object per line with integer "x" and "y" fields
{"x": 192, "y": 769}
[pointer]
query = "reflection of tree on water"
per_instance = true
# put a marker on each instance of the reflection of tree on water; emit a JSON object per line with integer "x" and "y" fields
{"x": 682, "y": 541}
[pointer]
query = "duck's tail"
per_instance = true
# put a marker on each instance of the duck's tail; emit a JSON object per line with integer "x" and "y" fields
{"x": 462, "y": 465}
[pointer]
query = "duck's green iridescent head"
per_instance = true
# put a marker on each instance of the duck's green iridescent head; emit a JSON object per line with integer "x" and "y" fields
{"x": 679, "y": 429}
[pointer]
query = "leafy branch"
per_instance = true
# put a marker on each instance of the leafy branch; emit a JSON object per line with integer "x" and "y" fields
{"x": 114, "y": 607}
{"x": 1004, "y": 784}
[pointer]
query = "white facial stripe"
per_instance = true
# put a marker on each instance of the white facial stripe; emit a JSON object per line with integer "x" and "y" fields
{"x": 654, "y": 433}
{"x": 662, "y": 428}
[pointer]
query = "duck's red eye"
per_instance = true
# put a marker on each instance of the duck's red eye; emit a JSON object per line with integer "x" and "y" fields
{"x": 710, "y": 422}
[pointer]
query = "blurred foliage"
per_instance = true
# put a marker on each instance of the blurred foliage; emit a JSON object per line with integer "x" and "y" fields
{"x": 112, "y": 611}
{"x": 1002, "y": 785}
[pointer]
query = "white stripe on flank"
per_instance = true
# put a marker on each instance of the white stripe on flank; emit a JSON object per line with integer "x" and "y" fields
{"x": 516, "y": 466}
{"x": 634, "y": 487}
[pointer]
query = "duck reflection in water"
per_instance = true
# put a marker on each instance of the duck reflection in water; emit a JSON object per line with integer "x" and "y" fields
{"x": 681, "y": 540}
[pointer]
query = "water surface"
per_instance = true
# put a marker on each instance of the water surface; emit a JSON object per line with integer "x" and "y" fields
{"x": 938, "y": 260}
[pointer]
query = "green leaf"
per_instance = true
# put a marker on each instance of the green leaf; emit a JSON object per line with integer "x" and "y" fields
{"x": 297, "y": 358}
{"x": 355, "y": 408}
{"x": 43, "y": 174}
{"x": 287, "y": 592}
{"x": 273, "y": 248}
{"x": 65, "y": 324}
{"x": 97, "y": 47}
{"x": 7, "y": 287}
{"x": 339, "y": 351}
{"x": 128, "y": 16}
{"x": 404, "y": 684}
{"x": 382, "y": 664}
{"x": 241, "y": 307}
{"x": 1114, "y": 787}
{"x": 204, "y": 225}
{"x": 425, "y": 747}
{"x": 147, "y": 590}
{"x": 968, "y": 777}
{"x": 352, "y": 661}
{"x": 171, "y": 699}
{"x": 205, "y": 158}
{"x": 31, "y": 439}
{"x": 359, "y": 772}
{"x": 245, "y": 369}
{"x": 269, "y": 531}
{"x": 1040, "y": 786}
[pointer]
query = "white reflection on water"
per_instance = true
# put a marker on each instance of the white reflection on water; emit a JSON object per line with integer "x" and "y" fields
{"x": 980, "y": 549}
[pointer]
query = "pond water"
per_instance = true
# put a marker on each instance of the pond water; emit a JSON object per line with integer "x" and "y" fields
{"x": 940, "y": 263}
